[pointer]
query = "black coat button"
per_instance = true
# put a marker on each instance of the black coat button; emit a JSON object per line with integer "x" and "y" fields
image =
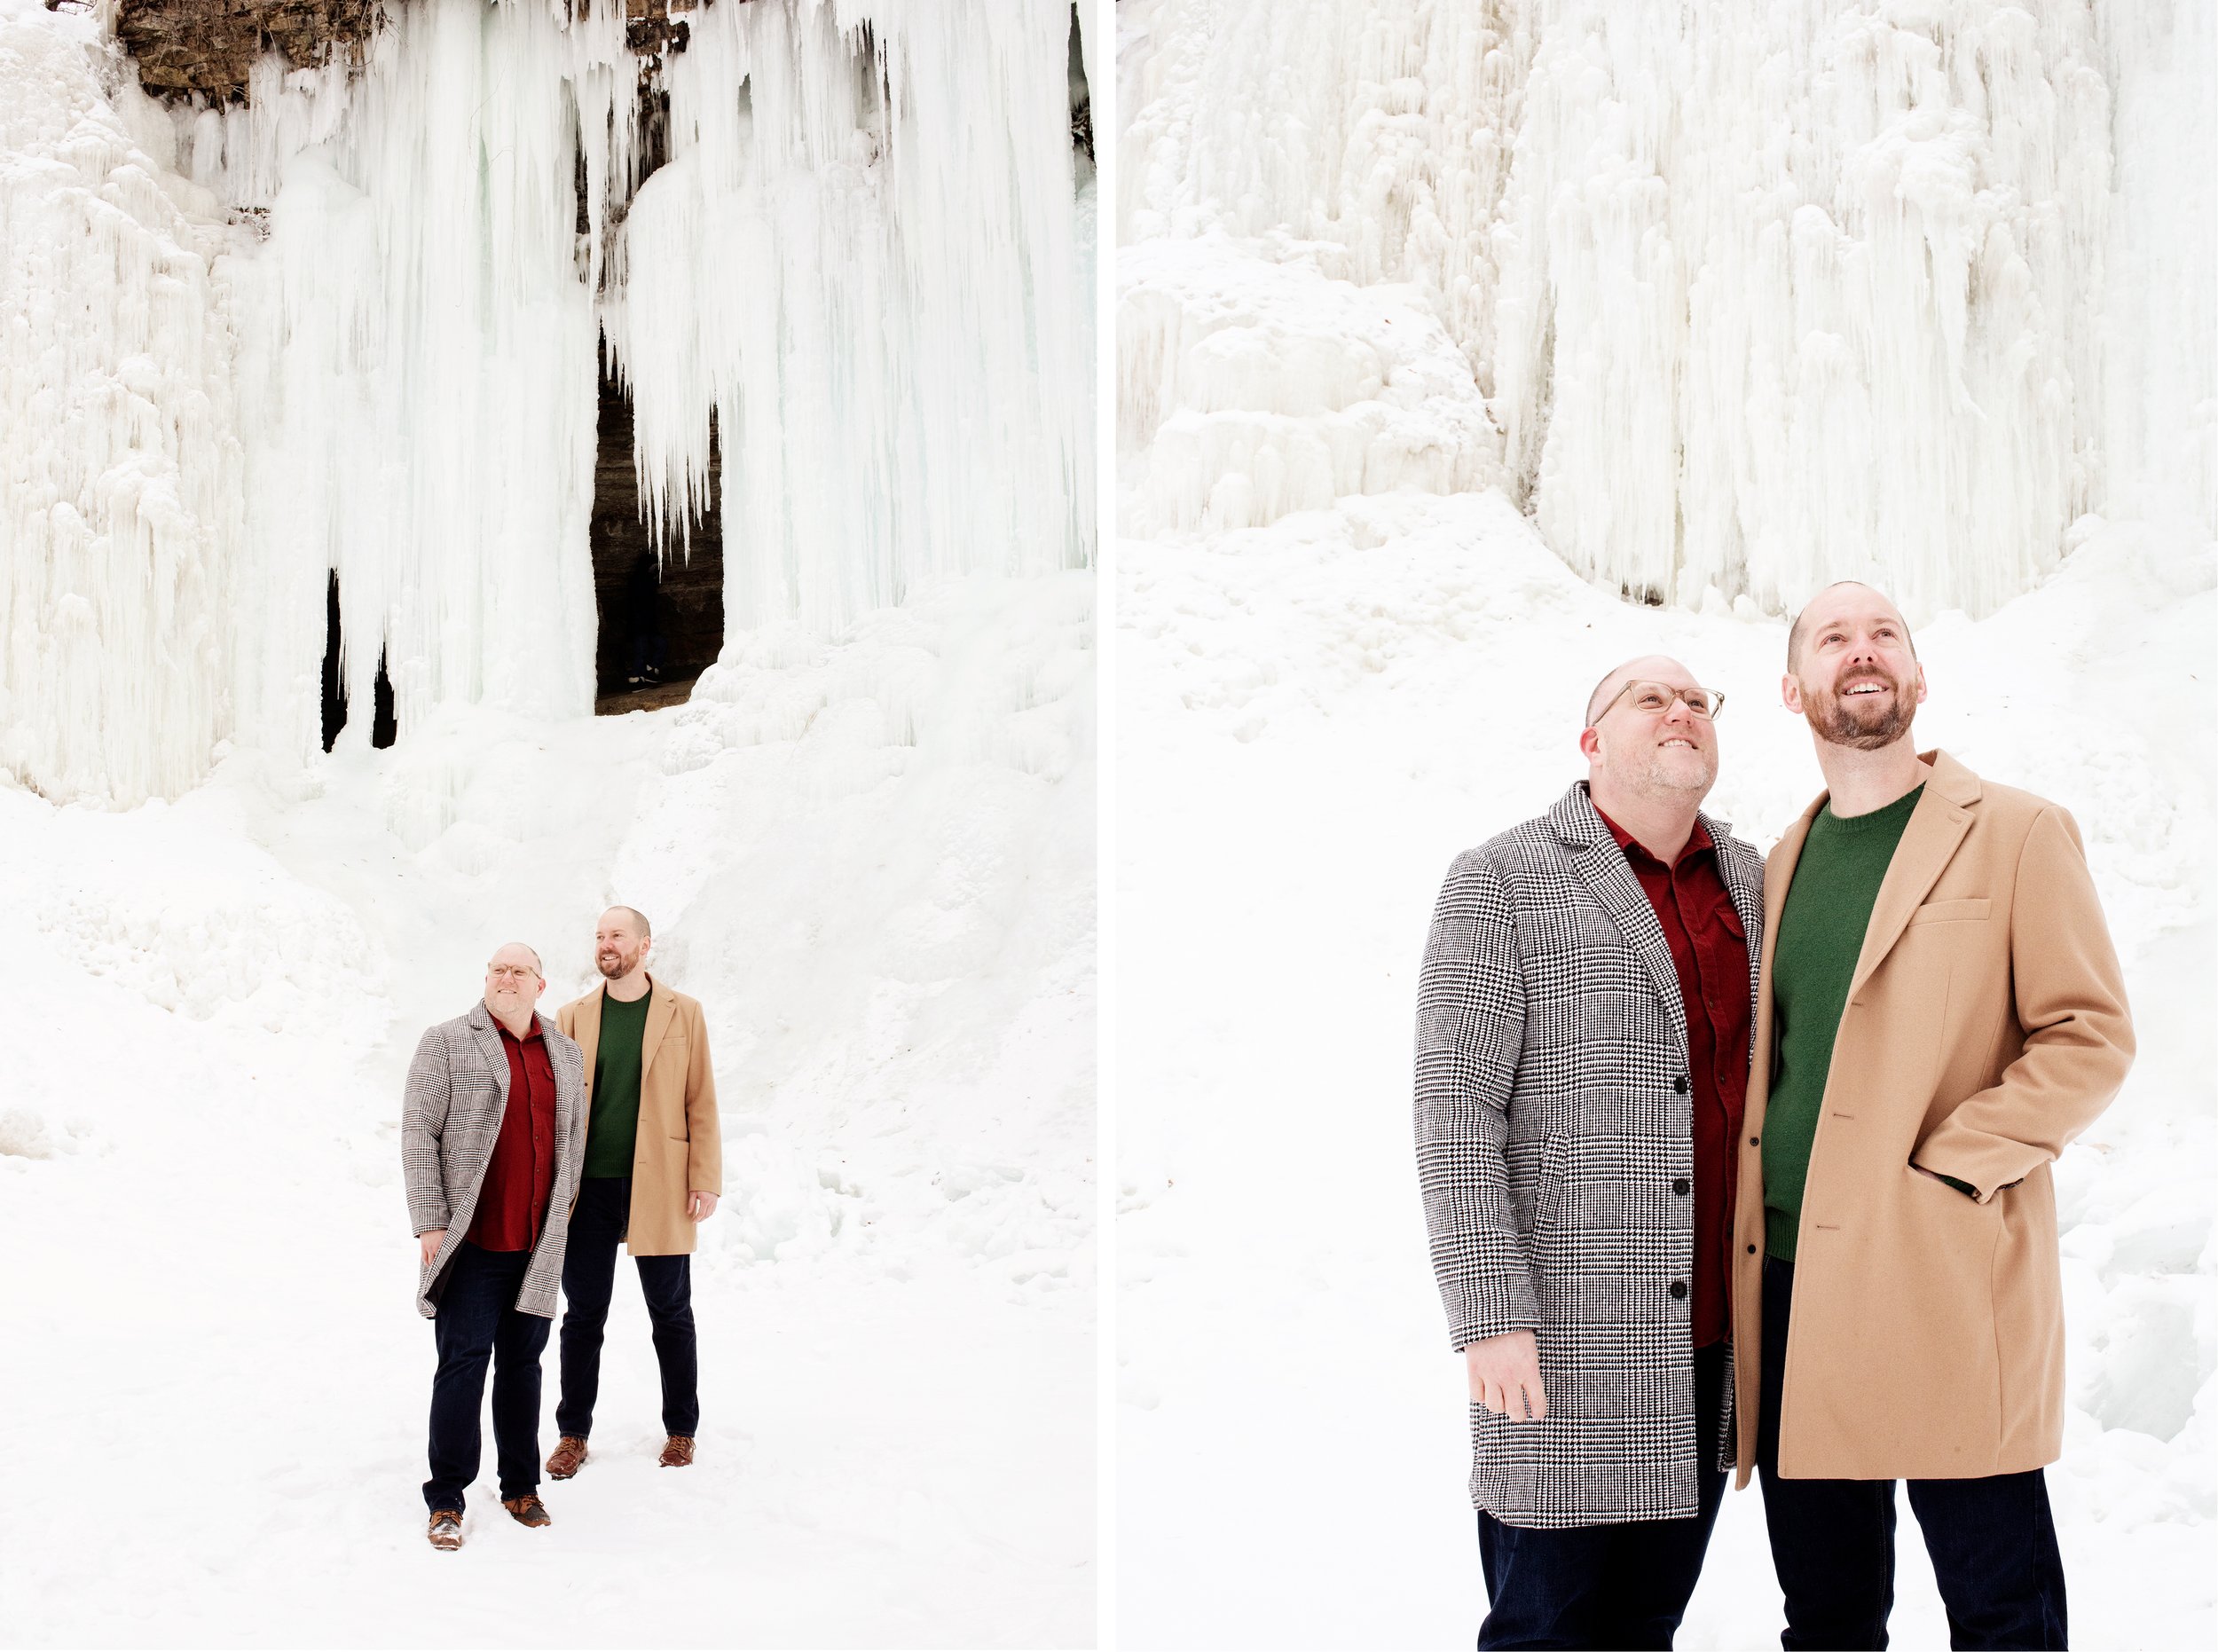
{"x": 1680, "y": 1186}
{"x": 1751, "y": 1250}
{"x": 1752, "y": 1140}
{"x": 1680, "y": 1084}
{"x": 1678, "y": 1288}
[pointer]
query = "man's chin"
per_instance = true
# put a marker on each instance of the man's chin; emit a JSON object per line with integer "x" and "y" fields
{"x": 1862, "y": 730}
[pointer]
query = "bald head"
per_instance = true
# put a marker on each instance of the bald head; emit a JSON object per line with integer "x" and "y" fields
{"x": 631, "y": 918}
{"x": 1649, "y": 668}
{"x": 1843, "y": 599}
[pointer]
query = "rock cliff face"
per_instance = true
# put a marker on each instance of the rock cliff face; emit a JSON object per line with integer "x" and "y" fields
{"x": 207, "y": 46}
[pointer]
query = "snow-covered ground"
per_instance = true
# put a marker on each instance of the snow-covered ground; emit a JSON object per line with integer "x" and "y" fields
{"x": 1314, "y": 717}
{"x": 872, "y": 862}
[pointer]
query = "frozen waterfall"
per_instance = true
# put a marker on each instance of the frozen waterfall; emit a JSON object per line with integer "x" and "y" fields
{"x": 1753, "y": 296}
{"x": 351, "y": 325}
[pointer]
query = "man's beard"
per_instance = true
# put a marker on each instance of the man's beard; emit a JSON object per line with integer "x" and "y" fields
{"x": 615, "y": 969}
{"x": 1833, "y": 719}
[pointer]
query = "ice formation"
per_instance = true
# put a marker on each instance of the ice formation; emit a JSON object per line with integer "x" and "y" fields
{"x": 351, "y": 325}
{"x": 1757, "y": 296}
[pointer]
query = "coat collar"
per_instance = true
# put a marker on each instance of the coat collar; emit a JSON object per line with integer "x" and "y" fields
{"x": 1930, "y": 839}
{"x": 485, "y": 1034}
{"x": 1600, "y": 866}
{"x": 661, "y": 1008}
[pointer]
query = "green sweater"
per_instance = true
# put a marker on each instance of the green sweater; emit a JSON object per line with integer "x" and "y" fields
{"x": 613, "y": 1132}
{"x": 1820, "y": 934}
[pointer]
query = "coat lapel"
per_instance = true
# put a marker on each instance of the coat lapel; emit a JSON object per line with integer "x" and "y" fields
{"x": 588, "y": 1034}
{"x": 1600, "y": 866}
{"x": 659, "y": 1015}
{"x": 487, "y": 1038}
{"x": 1937, "y": 825}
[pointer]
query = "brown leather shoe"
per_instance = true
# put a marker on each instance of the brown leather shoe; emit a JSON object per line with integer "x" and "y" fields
{"x": 569, "y": 1454}
{"x": 677, "y": 1451}
{"x": 528, "y": 1510}
{"x": 447, "y": 1528}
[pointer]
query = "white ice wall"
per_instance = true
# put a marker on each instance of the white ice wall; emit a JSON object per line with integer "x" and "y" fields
{"x": 863, "y": 258}
{"x": 367, "y": 342}
{"x": 1756, "y": 295}
{"x": 120, "y": 500}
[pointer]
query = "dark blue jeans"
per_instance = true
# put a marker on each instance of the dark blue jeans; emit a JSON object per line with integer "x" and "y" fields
{"x": 1993, "y": 1543}
{"x": 596, "y": 1228}
{"x": 478, "y": 1324}
{"x": 1624, "y": 1584}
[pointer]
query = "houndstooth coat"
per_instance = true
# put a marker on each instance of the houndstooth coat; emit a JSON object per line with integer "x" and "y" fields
{"x": 1554, "y": 1113}
{"x": 458, "y": 1090}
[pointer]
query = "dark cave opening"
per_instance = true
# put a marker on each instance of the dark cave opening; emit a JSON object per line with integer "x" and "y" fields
{"x": 383, "y": 727}
{"x": 662, "y": 621}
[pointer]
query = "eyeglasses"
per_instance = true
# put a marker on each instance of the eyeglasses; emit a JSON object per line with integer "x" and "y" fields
{"x": 1655, "y": 698}
{"x": 513, "y": 971}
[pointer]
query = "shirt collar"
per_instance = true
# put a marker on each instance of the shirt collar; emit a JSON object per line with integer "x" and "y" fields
{"x": 1697, "y": 841}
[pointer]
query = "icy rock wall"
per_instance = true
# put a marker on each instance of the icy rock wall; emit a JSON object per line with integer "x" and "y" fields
{"x": 862, "y": 260}
{"x": 120, "y": 503}
{"x": 2160, "y": 296}
{"x": 416, "y": 362}
{"x": 1757, "y": 296}
{"x": 867, "y": 260}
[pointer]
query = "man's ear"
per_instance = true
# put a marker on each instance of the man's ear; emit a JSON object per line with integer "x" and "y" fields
{"x": 1590, "y": 742}
{"x": 1790, "y": 693}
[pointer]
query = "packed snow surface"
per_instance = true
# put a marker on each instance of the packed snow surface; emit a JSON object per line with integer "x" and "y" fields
{"x": 872, "y": 863}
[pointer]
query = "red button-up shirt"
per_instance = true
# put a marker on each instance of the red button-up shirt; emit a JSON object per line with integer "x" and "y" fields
{"x": 1709, "y": 951}
{"x": 520, "y": 1176}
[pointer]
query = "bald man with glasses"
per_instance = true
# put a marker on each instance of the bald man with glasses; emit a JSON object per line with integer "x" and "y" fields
{"x": 1584, "y": 1018}
{"x": 492, "y": 1138}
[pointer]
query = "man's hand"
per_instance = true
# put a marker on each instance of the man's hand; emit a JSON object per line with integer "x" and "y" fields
{"x": 429, "y": 1241}
{"x": 1505, "y": 1374}
{"x": 701, "y": 1206}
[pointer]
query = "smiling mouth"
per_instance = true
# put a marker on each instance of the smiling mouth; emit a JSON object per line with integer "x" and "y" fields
{"x": 1866, "y": 687}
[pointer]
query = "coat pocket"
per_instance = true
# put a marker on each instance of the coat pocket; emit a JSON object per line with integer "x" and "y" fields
{"x": 1951, "y": 911}
{"x": 1555, "y": 1162}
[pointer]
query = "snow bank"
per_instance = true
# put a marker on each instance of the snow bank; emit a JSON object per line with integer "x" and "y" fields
{"x": 1758, "y": 296}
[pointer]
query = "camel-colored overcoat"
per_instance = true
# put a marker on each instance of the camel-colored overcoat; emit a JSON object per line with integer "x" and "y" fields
{"x": 1985, "y": 1027}
{"x": 680, "y": 1149}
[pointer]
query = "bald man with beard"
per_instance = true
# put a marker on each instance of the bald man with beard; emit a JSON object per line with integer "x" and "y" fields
{"x": 1942, "y": 1012}
{"x": 1582, "y": 1051}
